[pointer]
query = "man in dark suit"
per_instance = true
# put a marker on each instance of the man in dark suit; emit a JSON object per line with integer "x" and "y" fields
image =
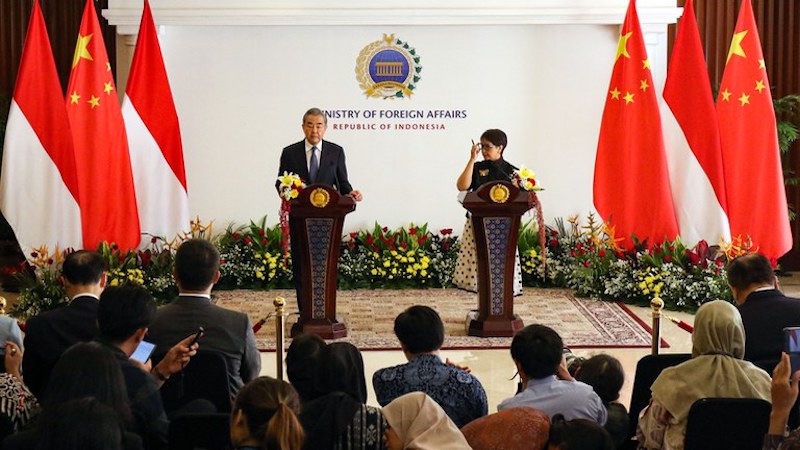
{"x": 765, "y": 310}
{"x": 49, "y": 334}
{"x": 227, "y": 332}
{"x": 315, "y": 161}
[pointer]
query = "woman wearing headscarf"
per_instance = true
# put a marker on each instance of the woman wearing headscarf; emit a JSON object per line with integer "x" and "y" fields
{"x": 339, "y": 418}
{"x": 417, "y": 422}
{"x": 715, "y": 370}
{"x": 531, "y": 429}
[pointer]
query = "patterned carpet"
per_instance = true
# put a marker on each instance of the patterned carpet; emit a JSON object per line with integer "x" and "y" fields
{"x": 369, "y": 315}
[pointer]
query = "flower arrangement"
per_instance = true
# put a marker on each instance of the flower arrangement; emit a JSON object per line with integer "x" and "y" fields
{"x": 524, "y": 179}
{"x": 289, "y": 187}
{"x": 582, "y": 255}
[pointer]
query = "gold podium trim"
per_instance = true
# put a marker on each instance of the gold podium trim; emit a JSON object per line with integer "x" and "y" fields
{"x": 499, "y": 193}
{"x": 320, "y": 198}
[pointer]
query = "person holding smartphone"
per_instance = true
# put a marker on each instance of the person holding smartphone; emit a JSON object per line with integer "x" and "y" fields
{"x": 123, "y": 317}
{"x": 494, "y": 167}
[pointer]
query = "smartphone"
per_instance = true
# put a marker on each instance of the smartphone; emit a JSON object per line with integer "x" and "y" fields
{"x": 197, "y": 336}
{"x": 791, "y": 345}
{"x": 143, "y": 351}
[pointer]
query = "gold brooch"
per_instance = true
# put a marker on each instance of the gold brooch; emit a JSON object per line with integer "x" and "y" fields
{"x": 483, "y": 172}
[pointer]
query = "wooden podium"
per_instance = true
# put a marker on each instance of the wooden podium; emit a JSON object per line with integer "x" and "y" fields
{"x": 316, "y": 221}
{"x": 496, "y": 208}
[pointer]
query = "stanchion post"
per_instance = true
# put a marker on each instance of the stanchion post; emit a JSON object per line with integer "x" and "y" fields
{"x": 656, "y": 304}
{"x": 279, "y": 303}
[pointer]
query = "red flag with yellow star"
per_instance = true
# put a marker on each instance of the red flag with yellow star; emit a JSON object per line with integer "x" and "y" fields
{"x": 631, "y": 182}
{"x": 105, "y": 182}
{"x": 750, "y": 154}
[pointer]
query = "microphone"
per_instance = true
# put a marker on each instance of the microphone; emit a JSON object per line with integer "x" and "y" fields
{"x": 499, "y": 167}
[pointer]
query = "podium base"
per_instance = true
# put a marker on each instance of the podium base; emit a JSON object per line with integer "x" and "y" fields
{"x": 324, "y": 328}
{"x": 493, "y": 326}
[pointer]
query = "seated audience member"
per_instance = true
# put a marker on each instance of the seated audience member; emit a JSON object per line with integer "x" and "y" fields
{"x": 605, "y": 375}
{"x": 578, "y": 434}
{"x": 784, "y": 396}
{"x": 302, "y": 358}
{"x": 537, "y": 351}
{"x": 227, "y": 332}
{"x": 510, "y": 429}
{"x": 85, "y": 424}
{"x": 87, "y": 369}
{"x": 417, "y": 422}
{"x": 421, "y": 333}
{"x": 715, "y": 370}
{"x": 265, "y": 416}
{"x": 765, "y": 310}
{"x": 49, "y": 334}
{"x": 17, "y": 404}
{"x": 122, "y": 318}
{"x": 340, "y": 418}
{"x": 9, "y": 327}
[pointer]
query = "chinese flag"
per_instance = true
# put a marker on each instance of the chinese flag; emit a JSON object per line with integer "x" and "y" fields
{"x": 751, "y": 159}
{"x": 154, "y": 138}
{"x": 631, "y": 183}
{"x": 107, "y": 199}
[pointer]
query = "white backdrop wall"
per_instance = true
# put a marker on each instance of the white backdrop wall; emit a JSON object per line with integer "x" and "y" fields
{"x": 240, "y": 92}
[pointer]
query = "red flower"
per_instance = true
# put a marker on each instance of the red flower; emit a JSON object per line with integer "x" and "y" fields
{"x": 50, "y": 261}
{"x": 573, "y": 253}
{"x": 719, "y": 263}
{"x": 579, "y": 246}
{"x": 236, "y": 235}
{"x": 586, "y": 264}
{"x": 554, "y": 232}
{"x": 370, "y": 240}
{"x": 621, "y": 255}
{"x": 221, "y": 261}
{"x": 671, "y": 248}
{"x": 153, "y": 240}
{"x": 581, "y": 252}
{"x": 445, "y": 245}
{"x": 693, "y": 258}
{"x": 421, "y": 240}
{"x": 667, "y": 258}
{"x": 601, "y": 253}
{"x": 261, "y": 232}
{"x": 553, "y": 242}
{"x": 351, "y": 244}
{"x": 247, "y": 240}
{"x": 393, "y": 248}
{"x": 412, "y": 231}
{"x": 146, "y": 256}
{"x": 353, "y": 235}
{"x": 445, "y": 231}
{"x": 385, "y": 229}
{"x": 403, "y": 244}
{"x": 264, "y": 242}
{"x": 391, "y": 240}
{"x": 375, "y": 249}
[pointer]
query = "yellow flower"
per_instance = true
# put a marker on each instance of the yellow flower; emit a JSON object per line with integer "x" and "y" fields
{"x": 424, "y": 272}
{"x": 410, "y": 253}
{"x": 294, "y": 193}
{"x": 374, "y": 271}
{"x": 286, "y": 179}
{"x": 386, "y": 263}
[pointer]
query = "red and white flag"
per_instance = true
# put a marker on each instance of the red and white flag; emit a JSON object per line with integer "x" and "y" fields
{"x": 154, "y": 138}
{"x": 631, "y": 183}
{"x": 750, "y": 155}
{"x": 38, "y": 184}
{"x": 107, "y": 198}
{"x": 691, "y": 136}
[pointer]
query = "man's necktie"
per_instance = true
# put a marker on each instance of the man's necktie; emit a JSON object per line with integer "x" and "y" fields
{"x": 313, "y": 167}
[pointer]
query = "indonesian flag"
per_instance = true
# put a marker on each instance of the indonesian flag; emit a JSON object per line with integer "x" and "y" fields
{"x": 154, "y": 139}
{"x": 38, "y": 184}
{"x": 692, "y": 140}
{"x": 108, "y": 201}
{"x": 750, "y": 154}
{"x": 631, "y": 183}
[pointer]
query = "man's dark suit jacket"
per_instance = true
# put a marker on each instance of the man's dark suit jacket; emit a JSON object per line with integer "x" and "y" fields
{"x": 332, "y": 166}
{"x": 49, "y": 334}
{"x": 226, "y": 331}
{"x": 765, "y": 314}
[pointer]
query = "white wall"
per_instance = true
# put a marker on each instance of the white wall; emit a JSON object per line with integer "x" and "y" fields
{"x": 241, "y": 90}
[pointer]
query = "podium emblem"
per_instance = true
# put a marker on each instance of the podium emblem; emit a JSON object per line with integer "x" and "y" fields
{"x": 320, "y": 198}
{"x": 388, "y": 68}
{"x": 499, "y": 193}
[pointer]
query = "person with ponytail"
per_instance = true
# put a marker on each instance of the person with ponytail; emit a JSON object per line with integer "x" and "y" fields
{"x": 264, "y": 417}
